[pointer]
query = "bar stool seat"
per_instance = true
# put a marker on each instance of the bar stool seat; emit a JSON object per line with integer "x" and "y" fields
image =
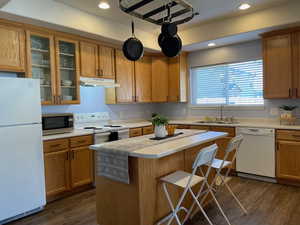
{"x": 218, "y": 163}
{"x": 181, "y": 179}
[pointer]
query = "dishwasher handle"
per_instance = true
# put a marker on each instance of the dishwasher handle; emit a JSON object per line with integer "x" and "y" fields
{"x": 256, "y": 131}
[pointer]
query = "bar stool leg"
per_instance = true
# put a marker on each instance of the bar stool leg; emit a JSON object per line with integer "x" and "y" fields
{"x": 201, "y": 208}
{"x": 234, "y": 196}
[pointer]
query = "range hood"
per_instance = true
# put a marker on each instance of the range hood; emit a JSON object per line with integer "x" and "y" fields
{"x": 98, "y": 82}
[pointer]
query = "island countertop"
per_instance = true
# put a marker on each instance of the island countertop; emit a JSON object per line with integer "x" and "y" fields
{"x": 167, "y": 147}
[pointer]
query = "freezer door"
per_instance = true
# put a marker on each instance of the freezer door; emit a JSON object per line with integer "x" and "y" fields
{"x": 20, "y": 101}
{"x": 21, "y": 170}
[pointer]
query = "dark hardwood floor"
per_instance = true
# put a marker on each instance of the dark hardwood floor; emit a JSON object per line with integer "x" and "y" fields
{"x": 268, "y": 204}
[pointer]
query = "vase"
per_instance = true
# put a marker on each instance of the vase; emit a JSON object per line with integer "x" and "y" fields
{"x": 160, "y": 131}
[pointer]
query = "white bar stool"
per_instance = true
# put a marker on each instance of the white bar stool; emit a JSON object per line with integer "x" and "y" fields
{"x": 186, "y": 181}
{"x": 220, "y": 164}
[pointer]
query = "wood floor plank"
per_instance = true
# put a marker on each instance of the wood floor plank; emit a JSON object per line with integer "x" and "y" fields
{"x": 268, "y": 204}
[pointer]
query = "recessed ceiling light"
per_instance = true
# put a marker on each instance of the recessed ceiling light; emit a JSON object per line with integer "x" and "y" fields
{"x": 103, "y": 5}
{"x": 244, "y": 6}
{"x": 212, "y": 44}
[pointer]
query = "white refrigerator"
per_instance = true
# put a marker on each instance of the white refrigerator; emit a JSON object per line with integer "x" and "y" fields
{"x": 22, "y": 182}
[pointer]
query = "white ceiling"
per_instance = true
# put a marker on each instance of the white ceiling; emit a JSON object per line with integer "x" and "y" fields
{"x": 208, "y": 9}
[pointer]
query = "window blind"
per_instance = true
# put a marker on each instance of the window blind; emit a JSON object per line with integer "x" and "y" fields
{"x": 228, "y": 84}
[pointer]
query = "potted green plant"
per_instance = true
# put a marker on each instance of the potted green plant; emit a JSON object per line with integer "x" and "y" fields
{"x": 159, "y": 122}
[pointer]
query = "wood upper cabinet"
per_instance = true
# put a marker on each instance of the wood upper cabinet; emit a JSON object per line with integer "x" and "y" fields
{"x": 41, "y": 64}
{"x": 296, "y": 65}
{"x": 143, "y": 79}
{"x": 159, "y": 79}
{"x": 288, "y": 160}
{"x": 81, "y": 166}
{"x": 56, "y": 172}
{"x": 12, "y": 49}
{"x": 88, "y": 59}
{"x": 106, "y": 62}
{"x": 277, "y": 57}
{"x": 67, "y": 70}
{"x": 125, "y": 77}
{"x": 97, "y": 61}
{"x": 177, "y": 78}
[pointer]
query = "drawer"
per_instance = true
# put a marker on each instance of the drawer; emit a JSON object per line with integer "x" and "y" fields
{"x": 182, "y": 126}
{"x": 81, "y": 141}
{"x": 134, "y": 132}
{"x": 290, "y": 135}
{"x": 229, "y": 130}
{"x": 147, "y": 130}
{"x": 197, "y": 127}
{"x": 56, "y": 145}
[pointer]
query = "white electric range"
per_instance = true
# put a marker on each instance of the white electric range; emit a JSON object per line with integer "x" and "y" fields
{"x": 100, "y": 123}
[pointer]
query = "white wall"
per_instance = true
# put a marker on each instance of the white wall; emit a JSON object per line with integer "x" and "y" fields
{"x": 233, "y": 53}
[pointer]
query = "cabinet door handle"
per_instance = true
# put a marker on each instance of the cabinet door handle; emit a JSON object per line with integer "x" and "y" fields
{"x": 67, "y": 156}
{"x": 296, "y": 92}
{"x": 290, "y": 93}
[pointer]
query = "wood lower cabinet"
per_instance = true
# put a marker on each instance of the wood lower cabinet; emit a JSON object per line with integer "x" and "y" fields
{"x": 148, "y": 130}
{"x": 12, "y": 49}
{"x": 81, "y": 169}
{"x": 159, "y": 79}
{"x": 69, "y": 164}
{"x": 222, "y": 143}
{"x": 288, "y": 156}
{"x": 125, "y": 77}
{"x": 57, "y": 172}
{"x": 143, "y": 79}
{"x": 135, "y": 132}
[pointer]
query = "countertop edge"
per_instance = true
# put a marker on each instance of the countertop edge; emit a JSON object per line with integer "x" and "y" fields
{"x": 170, "y": 152}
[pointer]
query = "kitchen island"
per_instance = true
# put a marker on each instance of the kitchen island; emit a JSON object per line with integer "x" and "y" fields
{"x": 142, "y": 201}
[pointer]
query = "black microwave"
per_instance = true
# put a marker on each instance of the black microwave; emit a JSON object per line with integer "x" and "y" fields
{"x": 57, "y": 123}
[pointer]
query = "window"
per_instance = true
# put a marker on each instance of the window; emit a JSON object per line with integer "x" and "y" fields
{"x": 228, "y": 84}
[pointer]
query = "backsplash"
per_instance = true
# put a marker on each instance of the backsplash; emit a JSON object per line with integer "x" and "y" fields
{"x": 93, "y": 100}
{"x": 270, "y": 110}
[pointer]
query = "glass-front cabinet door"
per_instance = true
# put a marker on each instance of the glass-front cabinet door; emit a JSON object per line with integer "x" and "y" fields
{"x": 68, "y": 71}
{"x": 41, "y": 64}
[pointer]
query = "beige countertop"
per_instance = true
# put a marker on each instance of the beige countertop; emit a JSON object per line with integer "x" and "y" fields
{"x": 142, "y": 147}
{"x": 177, "y": 145}
{"x": 74, "y": 133}
{"x": 136, "y": 124}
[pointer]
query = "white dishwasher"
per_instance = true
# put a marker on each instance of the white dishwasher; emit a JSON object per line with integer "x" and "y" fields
{"x": 256, "y": 155}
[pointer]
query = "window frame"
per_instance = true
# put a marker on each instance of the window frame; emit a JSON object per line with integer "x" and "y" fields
{"x": 243, "y": 107}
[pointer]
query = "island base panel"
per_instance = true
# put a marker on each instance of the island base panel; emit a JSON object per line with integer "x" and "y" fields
{"x": 143, "y": 202}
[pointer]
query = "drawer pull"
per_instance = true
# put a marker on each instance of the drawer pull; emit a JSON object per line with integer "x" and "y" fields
{"x": 296, "y": 136}
{"x": 81, "y": 142}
